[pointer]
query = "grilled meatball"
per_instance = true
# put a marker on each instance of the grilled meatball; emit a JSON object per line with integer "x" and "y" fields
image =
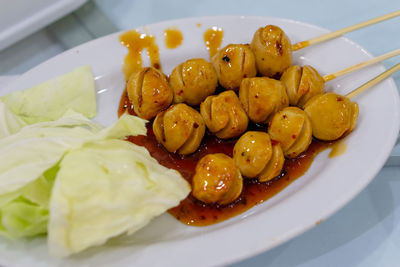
{"x": 292, "y": 128}
{"x": 302, "y": 84}
{"x": 332, "y": 116}
{"x": 149, "y": 92}
{"x": 223, "y": 115}
{"x": 272, "y": 49}
{"x": 192, "y": 81}
{"x": 262, "y": 97}
{"x": 217, "y": 179}
{"x": 256, "y": 156}
{"x": 180, "y": 129}
{"x": 233, "y": 63}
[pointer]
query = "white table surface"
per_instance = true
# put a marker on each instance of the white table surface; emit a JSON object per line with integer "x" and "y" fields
{"x": 366, "y": 232}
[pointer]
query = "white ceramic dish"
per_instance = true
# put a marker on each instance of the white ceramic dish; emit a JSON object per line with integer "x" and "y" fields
{"x": 327, "y": 186}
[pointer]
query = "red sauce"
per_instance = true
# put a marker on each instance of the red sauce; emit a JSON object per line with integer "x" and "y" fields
{"x": 193, "y": 212}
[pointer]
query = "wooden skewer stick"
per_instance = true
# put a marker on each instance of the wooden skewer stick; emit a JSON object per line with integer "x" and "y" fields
{"x": 374, "y": 81}
{"x": 361, "y": 65}
{"x": 338, "y": 33}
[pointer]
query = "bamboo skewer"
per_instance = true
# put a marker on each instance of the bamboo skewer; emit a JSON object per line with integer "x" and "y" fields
{"x": 374, "y": 81}
{"x": 338, "y": 33}
{"x": 361, "y": 65}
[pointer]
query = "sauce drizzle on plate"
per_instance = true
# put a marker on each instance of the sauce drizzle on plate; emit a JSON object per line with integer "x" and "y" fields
{"x": 173, "y": 38}
{"x": 136, "y": 42}
{"x": 213, "y": 40}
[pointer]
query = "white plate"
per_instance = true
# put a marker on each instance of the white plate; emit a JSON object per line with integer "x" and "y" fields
{"x": 329, "y": 184}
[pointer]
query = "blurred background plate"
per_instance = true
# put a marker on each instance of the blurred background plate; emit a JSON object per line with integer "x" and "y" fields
{"x": 19, "y": 18}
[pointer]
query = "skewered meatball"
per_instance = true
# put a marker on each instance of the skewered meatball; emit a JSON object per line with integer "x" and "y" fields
{"x": 192, "y": 81}
{"x": 217, "y": 179}
{"x": 292, "y": 128}
{"x": 302, "y": 84}
{"x": 272, "y": 49}
{"x": 179, "y": 128}
{"x": 149, "y": 92}
{"x": 256, "y": 156}
{"x": 262, "y": 97}
{"x": 224, "y": 115}
{"x": 331, "y": 115}
{"x": 233, "y": 63}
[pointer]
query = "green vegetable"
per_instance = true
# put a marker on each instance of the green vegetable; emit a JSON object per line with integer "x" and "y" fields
{"x": 25, "y": 212}
{"x": 24, "y": 156}
{"x": 28, "y": 165}
{"x": 51, "y": 99}
{"x": 64, "y": 175}
{"x": 104, "y": 189}
{"x": 9, "y": 122}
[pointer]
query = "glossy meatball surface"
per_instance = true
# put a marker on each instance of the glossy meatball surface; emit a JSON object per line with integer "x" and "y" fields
{"x": 262, "y": 97}
{"x": 217, "y": 180}
{"x": 331, "y": 115}
{"x": 272, "y": 49}
{"x": 224, "y": 115}
{"x": 192, "y": 81}
{"x": 292, "y": 128}
{"x": 233, "y": 63}
{"x": 275, "y": 165}
{"x": 252, "y": 152}
{"x": 302, "y": 84}
{"x": 180, "y": 129}
{"x": 149, "y": 92}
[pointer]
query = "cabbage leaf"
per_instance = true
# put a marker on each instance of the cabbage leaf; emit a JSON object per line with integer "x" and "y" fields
{"x": 51, "y": 99}
{"x": 107, "y": 188}
{"x": 9, "y": 122}
{"x": 29, "y": 163}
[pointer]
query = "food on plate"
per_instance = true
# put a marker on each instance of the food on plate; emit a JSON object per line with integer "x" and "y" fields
{"x": 291, "y": 127}
{"x": 247, "y": 97}
{"x": 9, "y": 122}
{"x": 107, "y": 188}
{"x": 192, "y": 81}
{"x": 72, "y": 91}
{"x": 224, "y": 115}
{"x": 257, "y": 156}
{"x": 74, "y": 179}
{"x": 272, "y": 49}
{"x": 217, "y": 179}
{"x": 149, "y": 92}
{"x": 233, "y": 63}
{"x": 302, "y": 83}
{"x": 29, "y": 160}
{"x": 180, "y": 129}
{"x": 24, "y": 212}
{"x": 332, "y": 116}
{"x": 262, "y": 97}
